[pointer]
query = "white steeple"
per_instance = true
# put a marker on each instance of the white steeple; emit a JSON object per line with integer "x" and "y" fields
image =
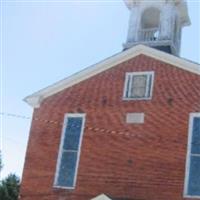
{"x": 157, "y": 23}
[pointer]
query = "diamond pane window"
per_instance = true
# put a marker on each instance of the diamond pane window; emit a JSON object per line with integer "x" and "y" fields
{"x": 194, "y": 176}
{"x": 196, "y": 136}
{"x": 72, "y": 133}
{"x": 69, "y": 151}
{"x": 192, "y": 184}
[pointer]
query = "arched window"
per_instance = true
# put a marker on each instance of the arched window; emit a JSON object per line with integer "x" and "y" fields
{"x": 150, "y": 23}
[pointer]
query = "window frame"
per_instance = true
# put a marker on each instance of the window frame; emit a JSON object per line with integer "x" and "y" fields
{"x": 188, "y": 157}
{"x": 66, "y": 116}
{"x": 135, "y": 74}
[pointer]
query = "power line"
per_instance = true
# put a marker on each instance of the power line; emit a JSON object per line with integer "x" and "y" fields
{"x": 156, "y": 182}
{"x": 14, "y": 115}
{"x": 101, "y": 131}
{"x": 13, "y": 140}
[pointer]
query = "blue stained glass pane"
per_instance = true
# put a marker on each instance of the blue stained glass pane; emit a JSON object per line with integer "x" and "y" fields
{"x": 72, "y": 133}
{"x": 194, "y": 176}
{"x": 127, "y": 86}
{"x": 67, "y": 169}
{"x": 196, "y": 136}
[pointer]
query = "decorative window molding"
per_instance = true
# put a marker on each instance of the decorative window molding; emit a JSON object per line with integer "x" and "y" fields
{"x": 69, "y": 152}
{"x": 192, "y": 173}
{"x": 138, "y": 85}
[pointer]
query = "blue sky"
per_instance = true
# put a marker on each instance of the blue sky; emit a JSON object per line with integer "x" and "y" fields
{"x": 45, "y": 41}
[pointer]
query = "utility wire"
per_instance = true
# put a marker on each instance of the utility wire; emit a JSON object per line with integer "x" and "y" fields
{"x": 156, "y": 182}
{"x": 14, "y": 115}
{"x": 13, "y": 140}
{"x": 102, "y": 131}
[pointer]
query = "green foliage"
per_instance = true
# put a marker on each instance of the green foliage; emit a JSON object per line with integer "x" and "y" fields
{"x": 9, "y": 188}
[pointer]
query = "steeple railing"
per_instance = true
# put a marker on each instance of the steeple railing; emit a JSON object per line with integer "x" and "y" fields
{"x": 150, "y": 34}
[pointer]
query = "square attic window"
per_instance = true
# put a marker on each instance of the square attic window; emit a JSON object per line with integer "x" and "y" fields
{"x": 138, "y": 85}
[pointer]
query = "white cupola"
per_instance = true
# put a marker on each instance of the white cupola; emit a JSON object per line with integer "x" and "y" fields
{"x": 157, "y": 23}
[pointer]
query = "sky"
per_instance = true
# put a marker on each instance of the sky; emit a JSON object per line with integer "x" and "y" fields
{"x": 45, "y": 41}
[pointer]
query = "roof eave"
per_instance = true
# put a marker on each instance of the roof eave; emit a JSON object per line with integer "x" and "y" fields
{"x": 35, "y": 99}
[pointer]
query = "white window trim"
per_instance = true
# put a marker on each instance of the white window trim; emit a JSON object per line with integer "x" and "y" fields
{"x": 187, "y": 168}
{"x": 139, "y": 73}
{"x": 67, "y": 115}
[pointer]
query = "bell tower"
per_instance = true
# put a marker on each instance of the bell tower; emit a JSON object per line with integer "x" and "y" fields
{"x": 157, "y": 24}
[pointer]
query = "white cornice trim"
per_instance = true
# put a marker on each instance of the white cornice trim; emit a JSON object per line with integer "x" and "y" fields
{"x": 35, "y": 99}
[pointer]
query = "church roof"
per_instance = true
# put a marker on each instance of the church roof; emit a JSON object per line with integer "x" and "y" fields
{"x": 35, "y": 99}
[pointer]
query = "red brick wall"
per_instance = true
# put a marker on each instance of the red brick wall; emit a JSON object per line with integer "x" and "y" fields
{"x": 125, "y": 161}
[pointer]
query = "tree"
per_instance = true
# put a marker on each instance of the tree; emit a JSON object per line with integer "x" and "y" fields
{"x": 9, "y": 188}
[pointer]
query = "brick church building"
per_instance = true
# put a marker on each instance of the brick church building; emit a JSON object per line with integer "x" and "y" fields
{"x": 126, "y": 128}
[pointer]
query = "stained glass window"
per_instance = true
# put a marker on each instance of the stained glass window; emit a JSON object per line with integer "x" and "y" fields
{"x": 69, "y": 151}
{"x": 193, "y": 168}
